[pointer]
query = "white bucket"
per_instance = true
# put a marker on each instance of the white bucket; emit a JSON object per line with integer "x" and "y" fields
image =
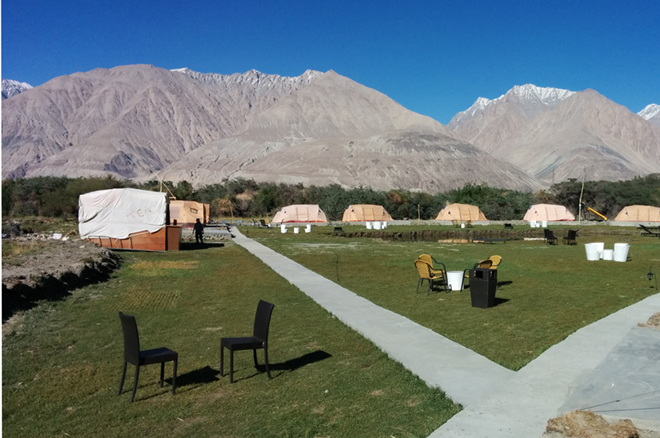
{"x": 455, "y": 280}
{"x": 592, "y": 251}
{"x": 296, "y": 230}
{"x": 308, "y": 228}
{"x": 376, "y": 225}
{"x": 608, "y": 254}
{"x": 532, "y": 224}
{"x": 621, "y": 252}
{"x": 283, "y": 228}
{"x": 600, "y": 246}
{"x": 544, "y": 224}
{"x": 462, "y": 224}
{"x": 384, "y": 225}
{"x": 369, "y": 225}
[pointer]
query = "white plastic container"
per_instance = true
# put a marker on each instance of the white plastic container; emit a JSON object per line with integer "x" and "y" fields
{"x": 377, "y": 225}
{"x": 600, "y": 246}
{"x": 544, "y": 224}
{"x": 283, "y": 228}
{"x": 608, "y": 254}
{"x": 308, "y": 228}
{"x": 369, "y": 225}
{"x": 455, "y": 280}
{"x": 592, "y": 251}
{"x": 384, "y": 225}
{"x": 532, "y": 224}
{"x": 462, "y": 224}
{"x": 296, "y": 230}
{"x": 621, "y": 252}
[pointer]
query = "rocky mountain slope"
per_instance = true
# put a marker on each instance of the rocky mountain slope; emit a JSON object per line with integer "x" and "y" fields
{"x": 139, "y": 121}
{"x": 557, "y": 134}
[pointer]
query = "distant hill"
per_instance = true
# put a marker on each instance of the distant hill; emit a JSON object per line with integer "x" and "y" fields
{"x": 555, "y": 134}
{"x": 140, "y": 121}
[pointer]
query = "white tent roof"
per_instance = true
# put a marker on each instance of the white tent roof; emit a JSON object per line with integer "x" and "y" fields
{"x": 548, "y": 212}
{"x": 117, "y": 213}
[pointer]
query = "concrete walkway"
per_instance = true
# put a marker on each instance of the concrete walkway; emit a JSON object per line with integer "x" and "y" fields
{"x": 497, "y": 402}
{"x": 465, "y": 376}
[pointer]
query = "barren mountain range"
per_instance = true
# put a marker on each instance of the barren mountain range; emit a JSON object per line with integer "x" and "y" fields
{"x": 144, "y": 122}
{"x": 556, "y": 134}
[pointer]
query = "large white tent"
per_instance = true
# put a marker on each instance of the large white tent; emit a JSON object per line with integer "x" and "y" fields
{"x": 639, "y": 213}
{"x": 365, "y": 212}
{"x": 461, "y": 212}
{"x": 548, "y": 212}
{"x": 300, "y": 213}
{"x": 117, "y": 213}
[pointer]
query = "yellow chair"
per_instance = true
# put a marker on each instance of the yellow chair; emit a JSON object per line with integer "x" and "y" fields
{"x": 427, "y": 272}
{"x": 490, "y": 263}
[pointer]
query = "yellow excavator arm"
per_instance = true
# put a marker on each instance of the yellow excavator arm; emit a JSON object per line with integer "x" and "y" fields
{"x": 596, "y": 213}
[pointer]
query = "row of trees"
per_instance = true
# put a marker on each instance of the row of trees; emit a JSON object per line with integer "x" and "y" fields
{"x": 58, "y": 197}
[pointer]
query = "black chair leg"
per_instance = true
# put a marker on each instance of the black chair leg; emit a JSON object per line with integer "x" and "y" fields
{"x": 162, "y": 373}
{"x": 231, "y": 366}
{"x": 123, "y": 376}
{"x": 266, "y": 359}
{"x": 254, "y": 355}
{"x": 174, "y": 376}
{"x": 137, "y": 374}
{"x": 418, "y": 283}
{"x": 222, "y": 361}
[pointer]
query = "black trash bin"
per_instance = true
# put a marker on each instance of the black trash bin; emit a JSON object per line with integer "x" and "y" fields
{"x": 483, "y": 284}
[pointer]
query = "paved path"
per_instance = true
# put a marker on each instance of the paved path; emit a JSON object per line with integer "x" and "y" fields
{"x": 462, "y": 374}
{"x": 497, "y": 402}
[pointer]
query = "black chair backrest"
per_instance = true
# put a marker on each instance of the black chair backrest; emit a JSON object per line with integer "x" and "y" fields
{"x": 548, "y": 233}
{"x": 262, "y": 320}
{"x": 572, "y": 234}
{"x": 131, "y": 338}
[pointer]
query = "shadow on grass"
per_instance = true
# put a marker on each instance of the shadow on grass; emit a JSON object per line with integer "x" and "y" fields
{"x": 197, "y": 377}
{"x": 290, "y": 365}
{"x": 504, "y": 283}
{"x": 191, "y": 246}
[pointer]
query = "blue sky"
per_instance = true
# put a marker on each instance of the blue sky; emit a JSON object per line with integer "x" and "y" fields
{"x": 433, "y": 57}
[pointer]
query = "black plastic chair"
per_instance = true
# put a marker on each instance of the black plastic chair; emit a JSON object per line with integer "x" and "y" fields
{"x": 133, "y": 355}
{"x": 550, "y": 238}
{"x": 570, "y": 237}
{"x": 258, "y": 340}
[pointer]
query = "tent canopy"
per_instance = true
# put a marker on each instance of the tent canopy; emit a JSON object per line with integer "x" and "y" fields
{"x": 300, "y": 213}
{"x": 365, "y": 212}
{"x": 117, "y": 213}
{"x": 639, "y": 213}
{"x": 462, "y": 212}
{"x": 187, "y": 212}
{"x": 548, "y": 212}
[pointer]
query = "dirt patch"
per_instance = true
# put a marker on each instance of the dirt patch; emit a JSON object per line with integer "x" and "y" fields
{"x": 653, "y": 322}
{"x": 49, "y": 270}
{"x": 586, "y": 424}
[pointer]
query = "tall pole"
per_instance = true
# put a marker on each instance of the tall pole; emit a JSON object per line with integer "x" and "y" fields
{"x": 581, "y": 192}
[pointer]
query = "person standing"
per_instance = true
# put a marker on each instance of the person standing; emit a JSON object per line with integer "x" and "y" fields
{"x": 199, "y": 231}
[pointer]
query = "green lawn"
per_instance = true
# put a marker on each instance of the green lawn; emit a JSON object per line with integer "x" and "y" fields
{"x": 62, "y": 361}
{"x": 546, "y": 292}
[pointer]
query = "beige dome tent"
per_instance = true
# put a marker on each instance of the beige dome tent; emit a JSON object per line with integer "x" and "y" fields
{"x": 461, "y": 212}
{"x": 548, "y": 212}
{"x": 639, "y": 213}
{"x": 365, "y": 212}
{"x": 186, "y": 213}
{"x": 300, "y": 213}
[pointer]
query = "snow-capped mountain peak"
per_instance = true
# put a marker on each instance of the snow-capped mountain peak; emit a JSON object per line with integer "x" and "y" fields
{"x": 531, "y": 98}
{"x": 11, "y": 88}
{"x": 651, "y": 111}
